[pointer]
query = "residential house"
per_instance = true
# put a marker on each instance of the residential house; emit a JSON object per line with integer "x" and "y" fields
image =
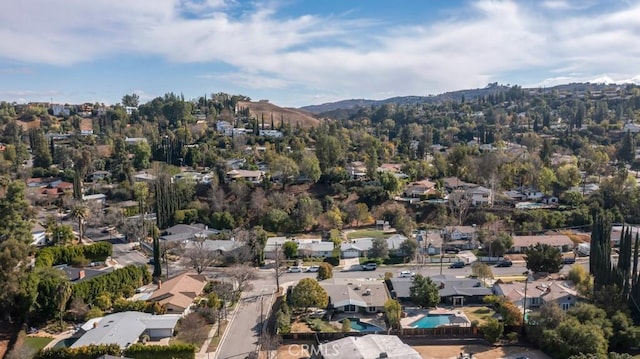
{"x": 221, "y": 247}
{"x": 188, "y": 232}
{"x": 480, "y": 196}
{"x": 355, "y": 296}
{"x": 315, "y": 248}
{"x": 236, "y": 163}
{"x": 96, "y": 198}
{"x": 456, "y": 233}
{"x": 357, "y": 170}
{"x": 222, "y": 126}
{"x": 56, "y": 189}
{"x": 455, "y": 183}
{"x": 125, "y": 329}
{"x": 193, "y": 177}
{"x": 132, "y": 141}
{"x": 86, "y": 127}
{"x": 79, "y": 275}
{"x": 539, "y": 292}
{"x": 249, "y": 176}
{"x": 130, "y": 110}
{"x": 273, "y": 247}
{"x": 178, "y": 293}
{"x": 631, "y": 127}
{"x": 616, "y": 233}
{"x": 560, "y": 241}
{"x": 98, "y": 176}
{"x": 419, "y": 189}
{"x": 430, "y": 242}
{"x": 38, "y": 235}
{"x": 370, "y": 346}
{"x": 144, "y": 177}
{"x": 271, "y": 133}
{"x": 60, "y": 110}
{"x": 453, "y": 291}
{"x": 359, "y": 247}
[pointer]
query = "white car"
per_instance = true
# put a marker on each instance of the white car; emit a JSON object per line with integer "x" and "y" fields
{"x": 406, "y": 274}
{"x": 295, "y": 269}
{"x": 313, "y": 269}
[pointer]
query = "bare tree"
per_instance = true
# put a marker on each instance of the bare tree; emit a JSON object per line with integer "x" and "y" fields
{"x": 243, "y": 277}
{"x": 193, "y": 329}
{"x": 197, "y": 256}
{"x": 459, "y": 204}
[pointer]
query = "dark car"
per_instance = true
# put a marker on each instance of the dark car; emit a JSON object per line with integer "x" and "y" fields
{"x": 504, "y": 264}
{"x": 459, "y": 264}
{"x": 568, "y": 260}
{"x": 452, "y": 250}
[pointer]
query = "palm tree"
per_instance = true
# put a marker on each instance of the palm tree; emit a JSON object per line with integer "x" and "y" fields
{"x": 63, "y": 294}
{"x": 80, "y": 212}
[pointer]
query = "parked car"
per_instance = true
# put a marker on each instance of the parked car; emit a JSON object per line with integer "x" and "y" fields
{"x": 505, "y": 263}
{"x": 313, "y": 269}
{"x": 406, "y": 274}
{"x": 568, "y": 260}
{"x": 295, "y": 269}
{"x": 370, "y": 266}
{"x": 458, "y": 264}
{"x": 452, "y": 250}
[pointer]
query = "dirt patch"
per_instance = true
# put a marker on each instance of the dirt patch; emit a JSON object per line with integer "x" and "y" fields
{"x": 478, "y": 351}
{"x": 299, "y": 327}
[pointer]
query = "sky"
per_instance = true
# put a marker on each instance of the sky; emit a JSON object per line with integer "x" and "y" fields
{"x": 304, "y": 52}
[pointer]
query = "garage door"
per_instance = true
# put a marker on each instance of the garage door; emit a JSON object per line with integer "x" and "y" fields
{"x": 160, "y": 333}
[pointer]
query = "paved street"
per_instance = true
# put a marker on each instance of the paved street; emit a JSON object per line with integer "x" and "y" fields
{"x": 243, "y": 333}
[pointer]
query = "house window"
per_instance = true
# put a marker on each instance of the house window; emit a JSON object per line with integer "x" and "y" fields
{"x": 535, "y": 301}
{"x": 350, "y": 308}
{"x": 371, "y": 309}
{"x": 566, "y": 306}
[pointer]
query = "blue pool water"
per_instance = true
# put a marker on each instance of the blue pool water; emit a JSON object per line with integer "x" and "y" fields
{"x": 431, "y": 321}
{"x": 356, "y": 324}
{"x": 65, "y": 343}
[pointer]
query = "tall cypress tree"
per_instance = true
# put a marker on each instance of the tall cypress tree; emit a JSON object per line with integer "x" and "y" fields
{"x": 157, "y": 265}
{"x": 600, "y": 256}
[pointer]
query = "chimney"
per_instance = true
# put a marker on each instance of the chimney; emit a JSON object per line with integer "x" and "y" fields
{"x": 95, "y": 325}
{"x": 81, "y": 274}
{"x": 159, "y": 284}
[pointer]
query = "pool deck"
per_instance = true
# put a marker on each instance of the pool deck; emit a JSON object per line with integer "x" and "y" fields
{"x": 376, "y": 320}
{"x": 415, "y": 314}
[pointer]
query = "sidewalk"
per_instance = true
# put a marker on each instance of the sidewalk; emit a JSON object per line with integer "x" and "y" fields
{"x": 203, "y": 354}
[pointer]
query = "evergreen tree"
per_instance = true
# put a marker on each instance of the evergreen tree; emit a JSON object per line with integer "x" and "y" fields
{"x": 166, "y": 200}
{"x": 77, "y": 186}
{"x": 157, "y": 265}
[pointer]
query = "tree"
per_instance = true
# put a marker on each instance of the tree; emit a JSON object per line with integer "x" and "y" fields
{"x": 63, "y": 294}
{"x": 285, "y": 168}
{"x": 325, "y": 271}
{"x": 310, "y": 167}
{"x": 379, "y": 248}
{"x": 459, "y": 204}
{"x": 392, "y": 313}
{"x": 80, "y": 212}
{"x": 290, "y": 249}
{"x": 492, "y": 330}
{"x": 543, "y": 258}
{"x": 157, "y": 265}
{"x": 198, "y": 256}
{"x": 130, "y": 100}
{"x": 308, "y": 293}
{"x": 409, "y": 247}
{"x": 481, "y": 270}
{"x": 166, "y": 199}
{"x": 141, "y": 155}
{"x": 424, "y": 292}
{"x": 346, "y": 325}
{"x": 243, "y": 276}
{"x": 580, "y": 277}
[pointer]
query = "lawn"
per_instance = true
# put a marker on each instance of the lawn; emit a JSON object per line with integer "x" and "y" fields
{"x": 215, "y": 341}
{"x": 319, "y": 325}
{"x": 366, "y": 233}
{"x": 37, "y": 343}
{"x": 481, "y": 314}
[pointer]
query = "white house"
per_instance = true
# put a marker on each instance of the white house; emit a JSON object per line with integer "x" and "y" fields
{"x": 97, "y": 198}
{"x": 456, "y": 233}
{"x": 370, "y": 346}
{"x": 539, "y": 292}
{"x": 38, "y": 235}
{"x": 222, "y": 126}
{"x": 249, "y": 176}
{"x": 481, "y": 196}
{"x": 271, "y": 133}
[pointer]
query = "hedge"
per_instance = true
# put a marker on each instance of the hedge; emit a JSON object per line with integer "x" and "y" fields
{"x": 334, "y": 261}
{"x": 135, "y": 351}
{"x": 174, "y": 351}
{"x": 86, "y": 352}
{"x": 119, "y": 283}
{"x": 50, "y": 256}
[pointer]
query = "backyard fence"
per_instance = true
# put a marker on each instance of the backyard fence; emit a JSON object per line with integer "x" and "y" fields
{"x": 440, "y": 332}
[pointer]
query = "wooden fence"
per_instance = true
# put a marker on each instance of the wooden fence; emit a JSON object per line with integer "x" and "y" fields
{"x": 441, "y": 332}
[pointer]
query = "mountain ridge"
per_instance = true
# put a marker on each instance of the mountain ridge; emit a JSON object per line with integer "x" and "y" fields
{"x": 468, "y": 94}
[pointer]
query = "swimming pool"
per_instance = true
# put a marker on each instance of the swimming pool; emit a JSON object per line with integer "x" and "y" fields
{"x": 359, "y": 326}
{"x": 431, "y": 321}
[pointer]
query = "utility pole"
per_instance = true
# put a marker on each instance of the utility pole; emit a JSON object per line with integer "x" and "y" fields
{"x": 441, "y": 257}
{"x": 277, "y": 268}
{"x": 166, "y": 259}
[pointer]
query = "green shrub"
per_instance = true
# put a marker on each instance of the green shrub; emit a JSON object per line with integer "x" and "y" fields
{"x": 346, "y": 325}
{"x": 94, "y": 312}
{"x": 50, "y": 256}
{"x": 334, "y": 261}
{"x": 119, "y": 283}
{"x": 87, "y": 352}
{"x": 492, "y": 330}
{"x": 79, "y": 261}
{"x": 174, "y": 351}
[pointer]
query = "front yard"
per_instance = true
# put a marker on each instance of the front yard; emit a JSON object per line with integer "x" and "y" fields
{"x": 37, "y": 343}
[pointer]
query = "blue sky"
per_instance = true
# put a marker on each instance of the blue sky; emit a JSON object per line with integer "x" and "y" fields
{"x": 297, "y": 53}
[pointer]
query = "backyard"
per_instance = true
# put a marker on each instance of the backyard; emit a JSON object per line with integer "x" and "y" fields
{"x": 480, "y": 313}
{"x": 37, "y": 343}
{"x": 366, "y": 233}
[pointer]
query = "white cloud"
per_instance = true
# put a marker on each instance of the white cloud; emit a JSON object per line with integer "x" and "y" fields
{"x": 350, "y": 57}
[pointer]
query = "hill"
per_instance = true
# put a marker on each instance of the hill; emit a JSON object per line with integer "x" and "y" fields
{"x": 468, "y": 95}
{"x": 266, "y": 110}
